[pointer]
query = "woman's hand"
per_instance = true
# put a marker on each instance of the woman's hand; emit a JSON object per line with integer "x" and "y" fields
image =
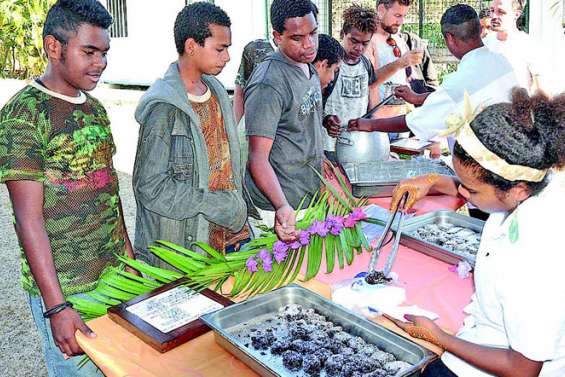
{"x": 416, "y": 188}
{"x": 421, "y": 328}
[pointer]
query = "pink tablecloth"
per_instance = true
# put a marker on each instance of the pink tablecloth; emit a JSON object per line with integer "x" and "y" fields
{"x": 428, "y": 283}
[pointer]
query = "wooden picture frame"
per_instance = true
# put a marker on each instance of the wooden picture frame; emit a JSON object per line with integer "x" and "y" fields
{"x": 152, "y": 336}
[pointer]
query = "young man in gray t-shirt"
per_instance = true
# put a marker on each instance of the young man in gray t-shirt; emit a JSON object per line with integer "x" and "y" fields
{"x": 283, "y": 110}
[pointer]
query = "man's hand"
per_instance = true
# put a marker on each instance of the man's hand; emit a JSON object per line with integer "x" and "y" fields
{"x": 332, "y": 124}
{"x": 64, "y": 326}
{"x": 285, "y": 221}
{"x": 411, "y": 58}
{"x": 360, "y": 125}
{"x": 406, "y": 93}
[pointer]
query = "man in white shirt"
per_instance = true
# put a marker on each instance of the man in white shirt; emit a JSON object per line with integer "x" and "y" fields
{"x": 488, "y": 77}
{"x": 518, "y": 47}
{"x": 389, "y": 53}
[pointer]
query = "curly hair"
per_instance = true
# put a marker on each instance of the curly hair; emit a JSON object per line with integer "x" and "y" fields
{"x": 65, "y": 16}
{"x": 194, "y": 21}
{"x": 360, "y": 18}
{"x": 282, "y": 10}
{"x": 530, "y": 131}
{"x": 329, "y": 49}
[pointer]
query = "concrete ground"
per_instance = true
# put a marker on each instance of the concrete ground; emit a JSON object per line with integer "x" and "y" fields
{"x": 20, "y": 348}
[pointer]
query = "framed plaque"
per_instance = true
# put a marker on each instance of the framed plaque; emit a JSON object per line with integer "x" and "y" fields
{"x": 168, "y": 316}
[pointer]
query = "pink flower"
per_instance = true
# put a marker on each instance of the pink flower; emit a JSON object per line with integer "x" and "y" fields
{"x": 349, "y": 221}
{"x": 358, "y": 214}
{"x": 251, "y": 264}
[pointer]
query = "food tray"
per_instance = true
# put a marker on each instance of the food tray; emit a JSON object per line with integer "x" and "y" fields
{"x": 411, "y": 240}
{"x": 225, "y": 323}
{"x": 378, "y": 178}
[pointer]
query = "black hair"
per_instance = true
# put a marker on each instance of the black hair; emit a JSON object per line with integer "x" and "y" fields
{"x": 194, "y": 21}
{"x": 390, "y": 3}
{"x": 528, "y": 132}
{"x": 461, "y": 21}
{"x": 282, "y": 10}
{"x": 329, "y": 49}
{"x": 360, "y": 18}
{"x": 65, "y": 17}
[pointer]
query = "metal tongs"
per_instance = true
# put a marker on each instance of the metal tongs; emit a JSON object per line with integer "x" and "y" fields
{"x": 347, "y": 141}
{"x": 394, "y": 251}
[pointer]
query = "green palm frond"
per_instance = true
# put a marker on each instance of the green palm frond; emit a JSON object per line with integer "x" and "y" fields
{"x": 210, "y": 268}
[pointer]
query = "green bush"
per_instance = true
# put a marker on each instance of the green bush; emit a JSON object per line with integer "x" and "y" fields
{"x": 21, "y": 43}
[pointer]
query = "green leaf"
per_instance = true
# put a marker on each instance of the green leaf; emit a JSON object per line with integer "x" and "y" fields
{"x": 330, "y": 253}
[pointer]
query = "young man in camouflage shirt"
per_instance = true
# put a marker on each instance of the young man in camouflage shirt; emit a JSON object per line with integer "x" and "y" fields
{"x": 56, "y": 152}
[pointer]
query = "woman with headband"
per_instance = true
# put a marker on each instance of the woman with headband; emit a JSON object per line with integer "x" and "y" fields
{"x": 504, "y": 159}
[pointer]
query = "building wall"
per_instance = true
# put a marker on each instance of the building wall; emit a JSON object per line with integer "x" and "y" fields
{"x": 144, "y": 55}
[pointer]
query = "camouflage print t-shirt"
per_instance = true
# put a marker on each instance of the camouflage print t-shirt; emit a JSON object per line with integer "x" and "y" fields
{"x": 253, "y": 54}
{"x": 66, "y": 144}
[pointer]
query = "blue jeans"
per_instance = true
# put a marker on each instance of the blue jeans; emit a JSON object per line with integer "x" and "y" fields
{"x": 57, "y": 366}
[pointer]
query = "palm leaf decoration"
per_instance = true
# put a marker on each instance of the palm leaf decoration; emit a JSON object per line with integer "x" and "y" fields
{"x": 330, "y": 229}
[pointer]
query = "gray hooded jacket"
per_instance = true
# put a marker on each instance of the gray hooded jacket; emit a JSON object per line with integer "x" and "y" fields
{"x": 170, "y": 177}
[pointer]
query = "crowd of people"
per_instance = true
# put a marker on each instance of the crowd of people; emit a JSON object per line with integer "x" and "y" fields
{"x": 295, "y": 94}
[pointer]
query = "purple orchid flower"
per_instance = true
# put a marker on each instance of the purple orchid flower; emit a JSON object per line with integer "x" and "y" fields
{"x": 268, "y": 267}
{"x": 304, "y": 238}
{"x": 349, "y": 221}
{"x": 358, "y": 214}
{"x": 280, "y": 255}
{"x": 280, "y": 247}
{"x": 295, "y": 245}
{"x": 319, "y": 227}
{"x": 251, "y": 264}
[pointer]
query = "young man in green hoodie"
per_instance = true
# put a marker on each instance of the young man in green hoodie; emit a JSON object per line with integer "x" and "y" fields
{"x": 187, "y": 176}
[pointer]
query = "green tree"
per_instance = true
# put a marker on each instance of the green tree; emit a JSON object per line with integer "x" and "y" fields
{"x": 21, "y": 43}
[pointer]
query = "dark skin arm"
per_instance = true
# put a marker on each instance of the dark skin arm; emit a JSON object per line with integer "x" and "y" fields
{"x": 238, "y": 103}
{"x": 496, "y": 361}
{"x": 27, "y": 202}
{"x": 266, "y": 180}
{"x": 394, "y": 124}
{"x": 407, "y": 94}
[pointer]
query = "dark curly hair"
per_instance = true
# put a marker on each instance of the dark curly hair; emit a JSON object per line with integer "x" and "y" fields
{"x": 528, "y": 132}
{"x": 282, "y": 10}
{"x": 194, "y": 21}
{"x": 329, "y": 49}
{"x": 360, "y": 18}
{"x": 461, "y": 21}
{"x": 65, "y": 16}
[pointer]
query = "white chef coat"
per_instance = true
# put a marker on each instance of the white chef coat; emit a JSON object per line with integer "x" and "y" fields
{"x": 520, "y": 287}
{"x": 488, "y": 77}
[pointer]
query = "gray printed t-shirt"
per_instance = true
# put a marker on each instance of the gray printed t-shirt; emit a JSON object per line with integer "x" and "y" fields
{"x": 282, "y": 104}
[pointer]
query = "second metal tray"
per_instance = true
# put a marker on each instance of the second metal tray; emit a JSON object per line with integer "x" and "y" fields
{"x": 378, "y": 179}
{"x": 225, "y": 323}
{"x": 411, "y": 240}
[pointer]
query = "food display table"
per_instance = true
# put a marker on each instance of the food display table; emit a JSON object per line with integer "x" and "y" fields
{"x": 428, "y": 283}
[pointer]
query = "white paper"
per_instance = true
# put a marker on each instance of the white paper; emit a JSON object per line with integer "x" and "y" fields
{"x": 398, "y": 312}
{"x": 174, "y": 308}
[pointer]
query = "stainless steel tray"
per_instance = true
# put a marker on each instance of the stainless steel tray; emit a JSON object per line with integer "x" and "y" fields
{"x": 378, "y": 179}
{"x": 411, "y": 240}
{"x": 225, "y": 321}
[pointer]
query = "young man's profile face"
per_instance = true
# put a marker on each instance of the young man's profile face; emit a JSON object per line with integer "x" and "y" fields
{"x": 326, "y": 72}
{"x": 83, "y": 58}
{"x": 299, "y": 40}
{"x": 355, "y": 43}
{"x": 391, "y": 19}
{"x": 213, "y": 56}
